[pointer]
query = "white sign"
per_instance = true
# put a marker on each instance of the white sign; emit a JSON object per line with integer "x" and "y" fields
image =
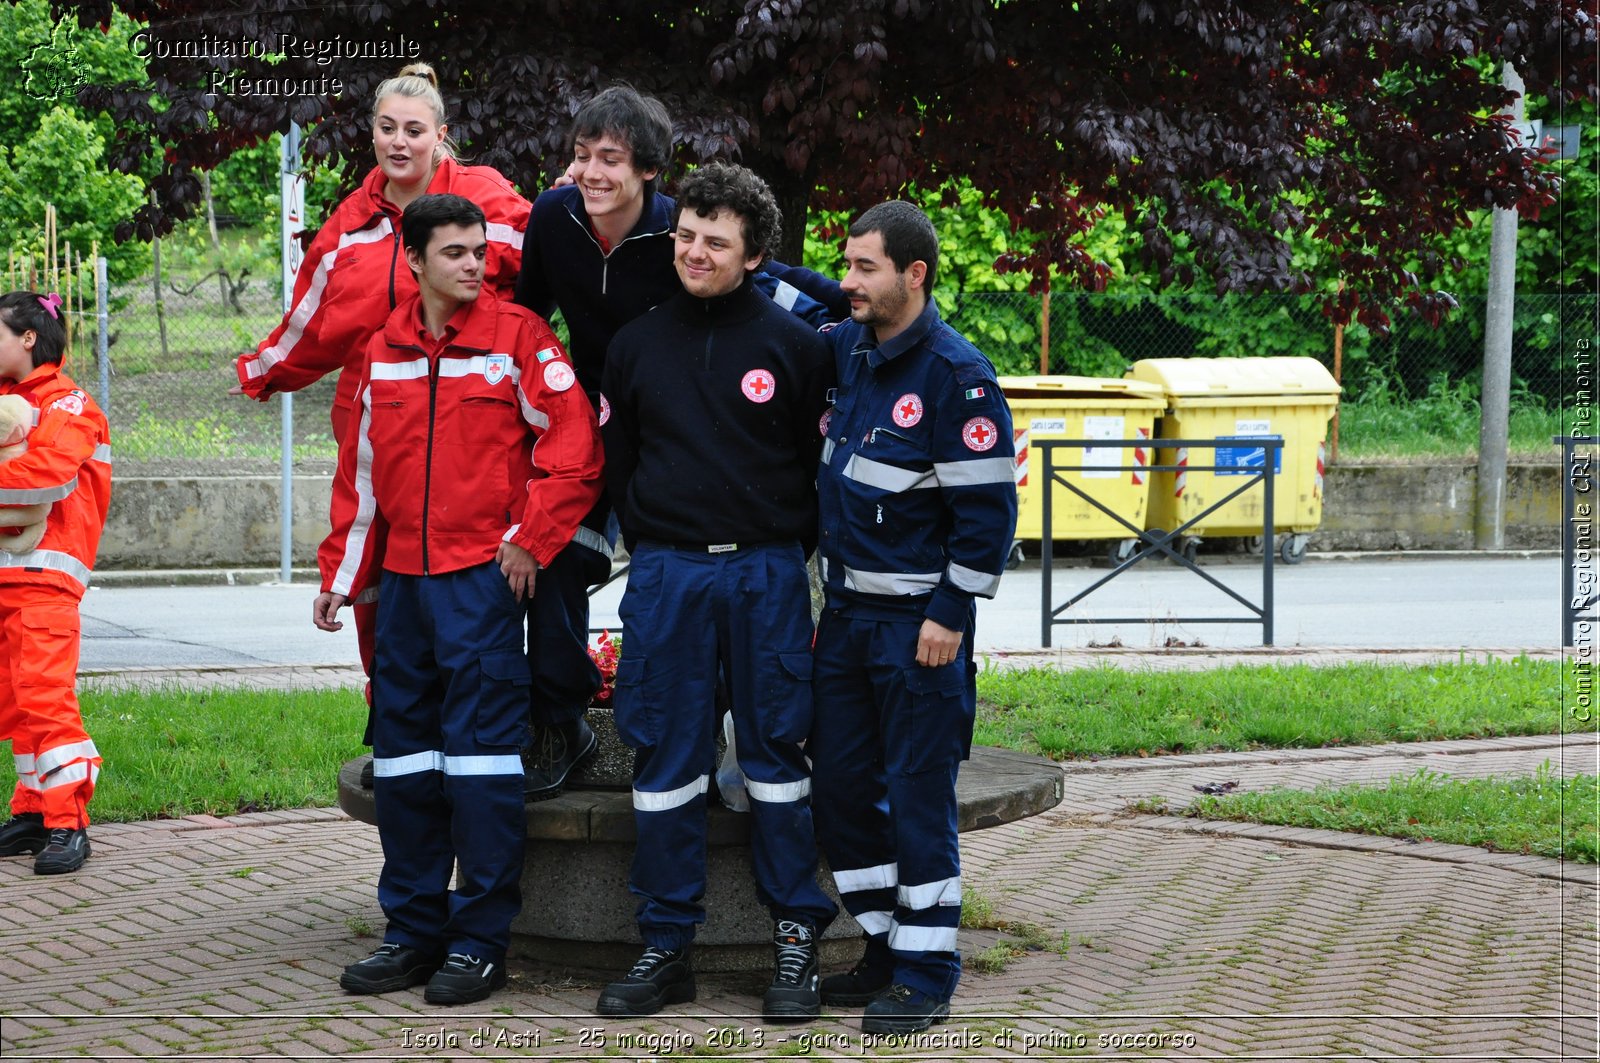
{"x": 1111, "y": 458}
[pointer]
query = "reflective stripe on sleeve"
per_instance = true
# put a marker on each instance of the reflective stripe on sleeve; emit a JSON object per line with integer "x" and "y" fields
{"x": 594, "y": 541}
{"x": 501, "y": 233}
{"x": 774, "y": 793}
{"x": 975, "y": 472}
{"x": 366, "y": 597}
{"x": 306, "y": 309}
{"x": 27, "y": 496}
{"x": 663, "y": 801}
{"x": 883, "y": 876}
{"x": 355, "y": 541}
{"x": 886, "y": 477}
{"x": 946, "y": 891}
{"x": 827, "y": 451}
{"x": 972, "y": 581}
{"x": 102, "y": 454}
{"x": 890, "y": 582}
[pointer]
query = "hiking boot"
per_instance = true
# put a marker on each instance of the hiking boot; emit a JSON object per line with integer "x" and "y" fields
{"x": 66, "y": 850}
{"x": 556, "y": 750}
{"x": 902, "y": 1009}
{"x": 24, "y": 833}
{"x": 391, "y": 966}
{"x": 464, "y": 980}
{"x": 366, "y": 775}
{"x": 870, "y": 976}
{"x": 794, "y": 992}
{"x": 659, "y": 976}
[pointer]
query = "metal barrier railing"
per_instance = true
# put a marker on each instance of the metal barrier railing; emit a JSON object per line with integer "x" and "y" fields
{"x": 1155, "y": 541}
{"x": 1578, "y": 547}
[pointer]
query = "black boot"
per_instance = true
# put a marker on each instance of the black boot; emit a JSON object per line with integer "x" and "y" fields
{"x": 870, "y": 976}
{"x": 557, "y": 749}
{"x": 901, "y": 1009}
{"x": 794, "y": 992}
{"x": 24, "y": 833}
{"x": 659, "y": 976}
{"x": 66, "y": 851}
{"x": 391, "y": 966}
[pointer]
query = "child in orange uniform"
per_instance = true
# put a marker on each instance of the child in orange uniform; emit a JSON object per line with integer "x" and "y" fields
{"x": 67, "y": 464}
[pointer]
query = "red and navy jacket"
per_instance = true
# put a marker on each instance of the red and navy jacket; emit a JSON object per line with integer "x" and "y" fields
{"x": 355, "y": 274}
{"x": 459, "y": 442}
{"x": 67, "y": 463}
{"x": 916, "y": 484}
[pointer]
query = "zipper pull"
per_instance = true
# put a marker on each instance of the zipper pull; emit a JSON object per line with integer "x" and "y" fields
{"x": 880, "y": 514}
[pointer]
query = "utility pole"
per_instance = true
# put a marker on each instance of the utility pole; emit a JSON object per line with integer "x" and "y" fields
{"x": 1489, "y": 524}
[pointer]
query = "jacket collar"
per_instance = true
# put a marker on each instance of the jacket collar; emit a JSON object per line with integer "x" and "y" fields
{"x": 443, "y": 177}
{"x": 471, "y": 327}
{"x": 654, "y": 220}
{"x": 40, "y": 377}
{"x": 914, "y": 333}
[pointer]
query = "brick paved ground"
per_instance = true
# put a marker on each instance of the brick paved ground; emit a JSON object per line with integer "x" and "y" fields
{"x": 1161, "y": 937}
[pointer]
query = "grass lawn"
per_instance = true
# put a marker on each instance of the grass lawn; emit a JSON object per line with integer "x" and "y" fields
{"x": 1110, "y": 712}
{"x": 1545, "y": 815}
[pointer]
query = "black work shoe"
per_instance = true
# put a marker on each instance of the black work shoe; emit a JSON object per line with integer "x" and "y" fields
{"x": 66, "y": 850}
{"x": 555, "y": 751}
{"x": 24, "y": 833}
{"x": 659, "y": 976}
{"x": 870, "y": 976}
{"x": 366, "y": 775}
{"x": 794, "y": 992}
{"x": 464, "y": 980}
{"x": 390, "y": 967}
{"x": 902, "y": 1009}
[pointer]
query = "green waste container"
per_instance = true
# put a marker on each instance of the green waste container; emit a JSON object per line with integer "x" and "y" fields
{"x": 1237, "y": 400}
{"x": 1076, "y": 407}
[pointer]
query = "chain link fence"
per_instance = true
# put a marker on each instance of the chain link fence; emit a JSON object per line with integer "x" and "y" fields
{"x": 171, "y": 364}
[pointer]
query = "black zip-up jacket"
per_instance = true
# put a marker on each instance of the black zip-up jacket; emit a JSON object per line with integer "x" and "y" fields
{"x": 710, "y": 415}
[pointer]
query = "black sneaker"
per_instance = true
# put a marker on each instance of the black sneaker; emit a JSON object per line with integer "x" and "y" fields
{"x": 659, "y": 976}
{"x": 464, "y": 980}
{"x": 66, "y": 850}
{"x": 870, "y": 976}
{"x": 901, "y": 1009}
{"x": 366, "y": 775}
{"x": 794, "y": 992}
{"x": 555, "y": 751}
{"x": 24, "y": 833}
{"x": 391, "y": 966}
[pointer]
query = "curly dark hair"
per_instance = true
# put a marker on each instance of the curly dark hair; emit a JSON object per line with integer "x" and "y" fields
{"x": 725, "y": 185}
{"x": 639, "y": 121}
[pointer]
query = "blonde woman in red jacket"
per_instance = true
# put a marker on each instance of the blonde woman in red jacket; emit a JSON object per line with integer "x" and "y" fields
{"x": 355, "y": 272}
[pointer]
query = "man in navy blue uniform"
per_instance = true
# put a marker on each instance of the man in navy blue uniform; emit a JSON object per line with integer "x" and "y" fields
{"x": 600, "y": 249}
{"x": 918, "y": 505}
{"x": 711, "y": 408}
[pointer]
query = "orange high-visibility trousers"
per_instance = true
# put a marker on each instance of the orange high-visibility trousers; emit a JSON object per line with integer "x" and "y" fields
{"x": 57, "y": 763}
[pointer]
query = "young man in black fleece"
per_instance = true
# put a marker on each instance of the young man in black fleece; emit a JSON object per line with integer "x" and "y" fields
{"x": 710, "y": 418}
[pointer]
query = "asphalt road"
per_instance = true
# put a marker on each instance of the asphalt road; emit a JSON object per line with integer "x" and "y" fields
{"x": 1371, "y": 603}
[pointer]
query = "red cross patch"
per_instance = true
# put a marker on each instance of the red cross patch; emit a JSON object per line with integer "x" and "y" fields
{"x": 824, "y": 421}
{"x": 605, "y": 410}
{"x": 558, "y": 376}
{"x": 907, "y": 410}
{"x": 757, "y": 385}
{"x": 979, "y": 434}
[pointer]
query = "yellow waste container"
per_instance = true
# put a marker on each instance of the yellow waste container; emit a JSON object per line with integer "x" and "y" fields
{"x": 1240, "y": 399}
{"x": 1077, "y": 407}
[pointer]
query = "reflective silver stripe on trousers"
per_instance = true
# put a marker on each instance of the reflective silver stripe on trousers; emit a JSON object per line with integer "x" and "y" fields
{"x": 594, "y": 541}
{"x": 974, "y": 472}
{"x": 972, "y": 581}
{"x": 883, "y": 876}
{"x": 932, "y": 894}
{"x": 485, "y": 764}
{"x": 53, "y": 560}
{"x": 649, "y": 801}
{"x": 885, "y": 477}
{"x": 304, "y": 310}
{"x": 875, "y": 922}
{"x": 774, "y": 793}
{"x": 889, "y": 582}
{"x": 27, "y": 496}
{"x": 410, "y": 764}
{"x": 51, "y": 759}
{"x": 922, "y": 938}
{"x": 71, "y": 775}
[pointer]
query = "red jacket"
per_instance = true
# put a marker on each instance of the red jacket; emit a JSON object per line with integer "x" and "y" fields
{"x": 459, "y": 442}
{"x": 68, "y": 463}
{"x": 355, "y": 274}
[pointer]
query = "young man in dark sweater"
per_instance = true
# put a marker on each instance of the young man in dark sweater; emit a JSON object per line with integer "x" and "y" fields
{"x": 710, "y": 412}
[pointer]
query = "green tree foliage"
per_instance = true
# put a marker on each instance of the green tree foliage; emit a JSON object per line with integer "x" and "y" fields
{"x": 61, "y": 162}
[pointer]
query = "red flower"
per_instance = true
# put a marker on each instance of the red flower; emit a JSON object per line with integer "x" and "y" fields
{"x": 604, "y": 652}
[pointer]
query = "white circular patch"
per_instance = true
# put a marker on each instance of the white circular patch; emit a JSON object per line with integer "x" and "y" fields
{"x": 908, "y": 410}
{"x": 979, "y": 434}
{"x": 824, "y": 421}
{"x": 758, "y": 385}
{"x": 605, "y": 410}
{"x": 70, "y": 403}
{"x": 558, "y": 376}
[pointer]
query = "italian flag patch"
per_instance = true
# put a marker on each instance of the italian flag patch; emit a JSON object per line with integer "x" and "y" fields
{"x": 975, "y": 393}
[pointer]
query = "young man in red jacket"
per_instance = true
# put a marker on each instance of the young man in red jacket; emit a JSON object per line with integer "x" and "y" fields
{"x": 473, "y": 446}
